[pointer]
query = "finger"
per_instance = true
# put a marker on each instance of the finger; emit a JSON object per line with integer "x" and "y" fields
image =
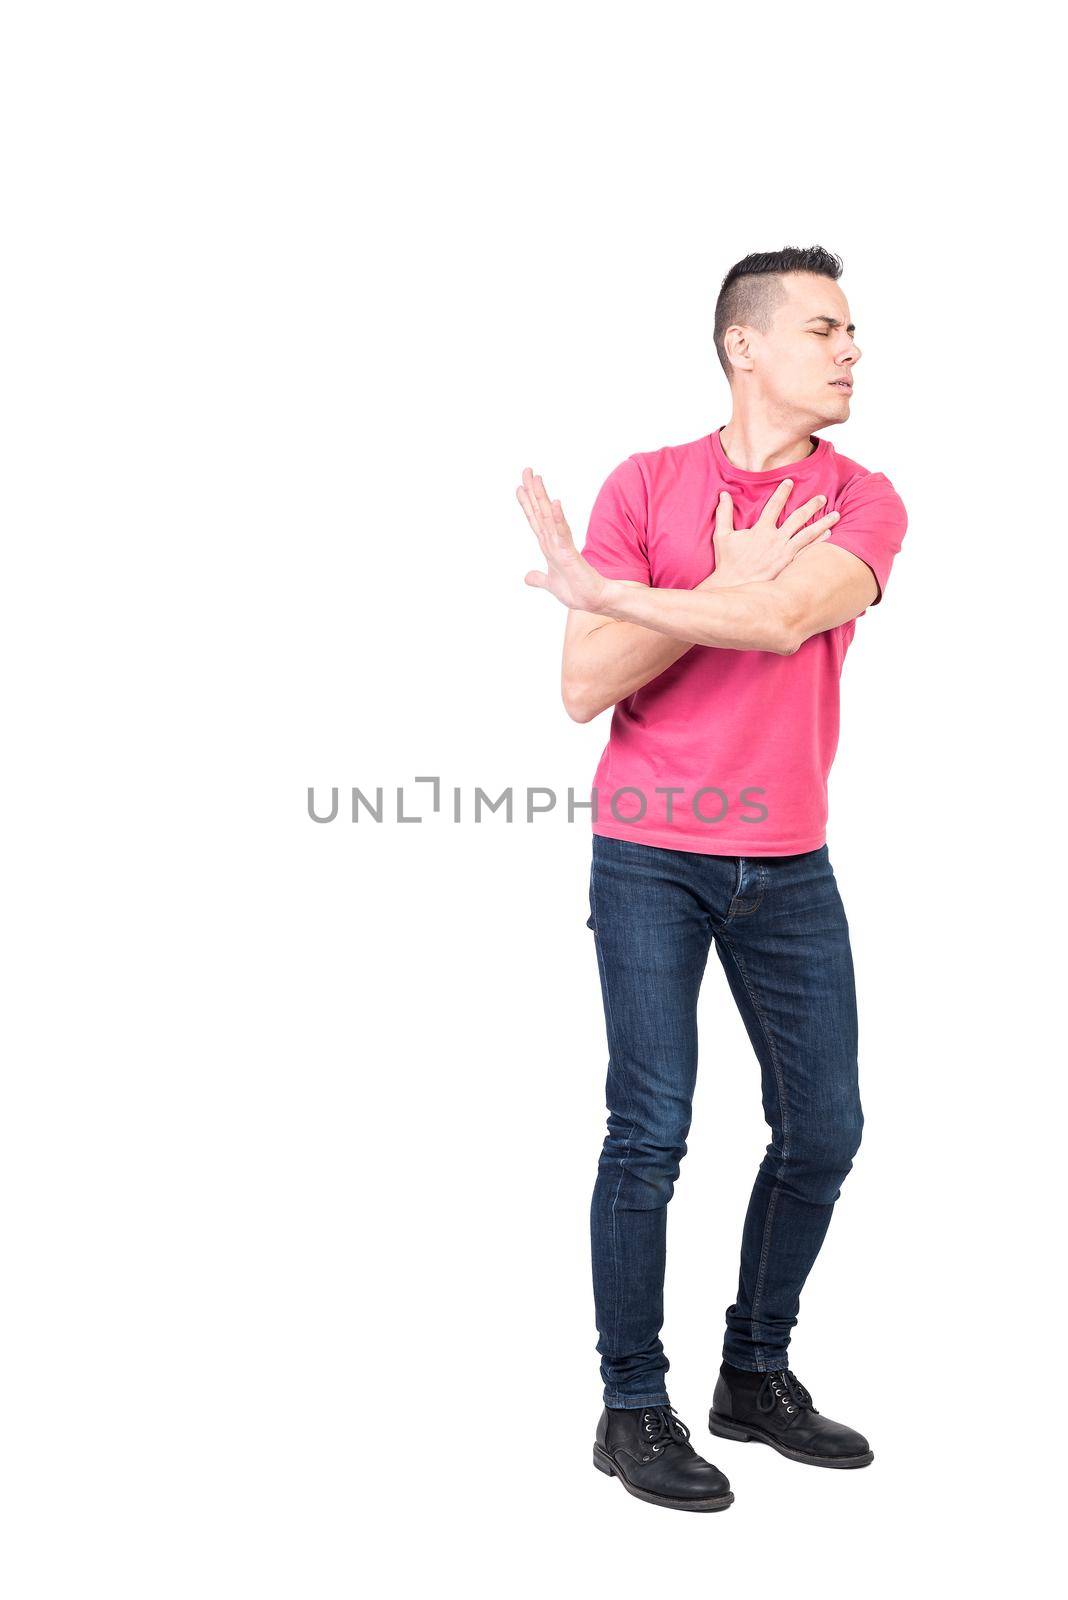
{"x": 537, "y": 580}
{"x": 550, "y": 526}
{"x": 776, "y": 500}
{"x": 543, "y": 530}
{"x": 724, "y": 513}
{"x": 560, "y": 522}
{"x": 528, "y": 509}
{"x": 798, "y": 518}
{"x": 530, "y": 485}
{"x": 544, "y": 527}
{"x": 815, "y": 530}
{"x": 541, "y": 500}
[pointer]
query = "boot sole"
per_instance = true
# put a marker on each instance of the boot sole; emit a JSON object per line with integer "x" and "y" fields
{"x": 604, "y": 1463}
{"x": 724, "y": 1428}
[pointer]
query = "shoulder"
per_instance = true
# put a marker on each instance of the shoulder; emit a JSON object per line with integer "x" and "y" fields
{"x": 859, "y": 486}
{"x": 671, "y": 457}
{"x": 669, "y": 463}
{"x": 626, "y": 484}
{"x": 644, "y": 470}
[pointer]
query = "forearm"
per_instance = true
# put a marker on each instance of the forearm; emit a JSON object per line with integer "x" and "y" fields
{"x": 749, "y": 617}
{"x": 618, "y": 658}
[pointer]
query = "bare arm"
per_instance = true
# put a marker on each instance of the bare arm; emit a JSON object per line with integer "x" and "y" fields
{"x": 607, "y": 657}
{"x": 822, "y": 589}
{"x": 605, "y": 660}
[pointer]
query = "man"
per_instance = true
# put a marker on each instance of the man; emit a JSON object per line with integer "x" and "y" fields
{"x": 712, "y": 605}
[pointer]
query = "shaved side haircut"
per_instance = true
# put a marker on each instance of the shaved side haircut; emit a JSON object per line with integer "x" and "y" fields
{"x": 753, "y": 289}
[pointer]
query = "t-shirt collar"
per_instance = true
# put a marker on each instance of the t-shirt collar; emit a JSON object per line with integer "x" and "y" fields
{"x": 792, "y": 469}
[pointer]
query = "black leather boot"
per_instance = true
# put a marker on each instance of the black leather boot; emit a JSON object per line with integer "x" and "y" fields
{"x": 777, "y": 1409}
{"x": 648, "y": 1449}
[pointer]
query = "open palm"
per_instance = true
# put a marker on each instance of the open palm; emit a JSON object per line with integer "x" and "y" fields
{"x": 569, "y": 577}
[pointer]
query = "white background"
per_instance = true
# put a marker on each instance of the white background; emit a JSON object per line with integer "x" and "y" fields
{"x": 300, "y": 1122}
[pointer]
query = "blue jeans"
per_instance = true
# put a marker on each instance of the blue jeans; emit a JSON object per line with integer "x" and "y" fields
{"x": 782, "y": 938}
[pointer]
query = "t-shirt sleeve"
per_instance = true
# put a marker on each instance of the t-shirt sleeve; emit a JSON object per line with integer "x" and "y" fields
{"x": 616, "y": 539}
{"x": 872, "y": 524}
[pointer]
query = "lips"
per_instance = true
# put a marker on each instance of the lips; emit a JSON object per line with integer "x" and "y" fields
{"x": 842, "y": 383}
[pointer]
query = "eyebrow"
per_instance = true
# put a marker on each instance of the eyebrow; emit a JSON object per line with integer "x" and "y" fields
{"x": 833, "y": 322}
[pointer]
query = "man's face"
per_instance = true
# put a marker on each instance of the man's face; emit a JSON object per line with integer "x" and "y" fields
{"x": 805, "y": 363}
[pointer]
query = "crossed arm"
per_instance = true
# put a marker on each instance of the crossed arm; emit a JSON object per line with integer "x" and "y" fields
{"x": 620, "y": 633}
{"x": 822, "y": 588}
{"x": 637, "y": 632}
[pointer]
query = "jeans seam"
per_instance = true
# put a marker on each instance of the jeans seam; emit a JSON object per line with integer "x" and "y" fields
{"x": 625, "y": 1402}
{"x": 617, "y": 1257}
{"x": 748, "y": 912}
{"x": 781, "y": 1172}
{"x": 765, "y": 1247}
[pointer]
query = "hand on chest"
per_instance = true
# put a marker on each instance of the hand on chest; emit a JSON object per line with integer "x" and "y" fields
{"x": 680, "y": 538}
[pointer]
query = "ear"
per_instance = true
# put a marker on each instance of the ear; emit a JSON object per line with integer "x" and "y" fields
{"x": 736, "y": 344}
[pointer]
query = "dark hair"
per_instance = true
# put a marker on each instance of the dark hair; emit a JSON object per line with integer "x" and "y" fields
{"x": 751, "y": 290}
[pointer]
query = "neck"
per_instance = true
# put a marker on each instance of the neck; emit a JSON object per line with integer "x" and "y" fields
{"x": 759, "y": 443}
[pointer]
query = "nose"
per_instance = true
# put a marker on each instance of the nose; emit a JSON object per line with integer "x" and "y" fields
{"x": 850, "y": 355}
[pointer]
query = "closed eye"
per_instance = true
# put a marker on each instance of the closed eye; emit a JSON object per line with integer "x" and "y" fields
{"x": 820, "y": 335}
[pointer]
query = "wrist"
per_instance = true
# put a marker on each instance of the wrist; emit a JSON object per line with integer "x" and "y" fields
{"x": 608, "y": 599}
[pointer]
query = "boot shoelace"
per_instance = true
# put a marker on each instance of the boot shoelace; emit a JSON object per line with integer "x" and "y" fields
{"x": 783, "y": 1388}
{"x": 661, "y": 1426}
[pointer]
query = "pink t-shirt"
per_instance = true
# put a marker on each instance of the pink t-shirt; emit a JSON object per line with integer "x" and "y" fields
{"x": 746, "y": 738}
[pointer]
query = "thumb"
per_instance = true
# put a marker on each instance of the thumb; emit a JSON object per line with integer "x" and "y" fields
{"x": 537, "y": 580}
{"x": 724, "y": 514}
